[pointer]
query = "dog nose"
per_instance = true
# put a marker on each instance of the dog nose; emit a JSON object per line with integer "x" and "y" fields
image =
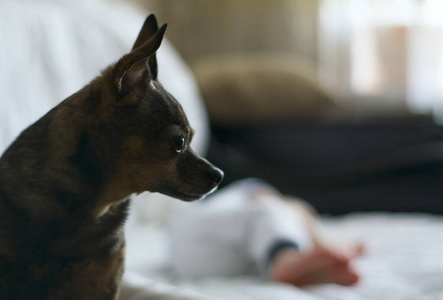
{"x": 216, "y": 175}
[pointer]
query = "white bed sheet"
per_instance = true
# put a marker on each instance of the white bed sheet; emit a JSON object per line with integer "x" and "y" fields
{"x": 403, "y": 260}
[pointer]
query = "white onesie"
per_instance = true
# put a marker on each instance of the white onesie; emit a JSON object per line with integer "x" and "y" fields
{"x": 236, "y": 231}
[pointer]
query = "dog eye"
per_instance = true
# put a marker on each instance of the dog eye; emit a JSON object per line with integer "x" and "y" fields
{"x": 179, "y": 144}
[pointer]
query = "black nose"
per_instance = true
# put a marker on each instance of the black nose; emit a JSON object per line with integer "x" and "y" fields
{"x": 216, "y": 175}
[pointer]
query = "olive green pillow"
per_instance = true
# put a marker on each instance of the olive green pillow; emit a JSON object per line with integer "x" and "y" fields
{"x": 238, "y": 89}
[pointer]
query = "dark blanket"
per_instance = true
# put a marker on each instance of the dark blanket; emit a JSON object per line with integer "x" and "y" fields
{"x": 389, "y": 164}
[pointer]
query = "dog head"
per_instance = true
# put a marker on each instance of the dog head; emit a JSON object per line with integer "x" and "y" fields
{"x": 142, "y": 131}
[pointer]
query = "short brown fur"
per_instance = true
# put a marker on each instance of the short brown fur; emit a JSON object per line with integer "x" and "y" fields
{"x": 66, "y": 180}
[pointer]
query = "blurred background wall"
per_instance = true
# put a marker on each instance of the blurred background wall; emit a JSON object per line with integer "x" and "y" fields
{"x": 369, "y": 53}
{"x": 201, "y": 27}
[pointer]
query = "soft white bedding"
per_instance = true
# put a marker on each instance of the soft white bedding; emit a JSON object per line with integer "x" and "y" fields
{"x": 403, "y": 260}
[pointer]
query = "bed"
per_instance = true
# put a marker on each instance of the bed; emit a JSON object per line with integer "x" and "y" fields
{"x": 46, "y": 55}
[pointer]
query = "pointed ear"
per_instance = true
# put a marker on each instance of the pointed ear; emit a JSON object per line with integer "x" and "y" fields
{"x": 148, "y": 30}
{"x": 133, "y": 71}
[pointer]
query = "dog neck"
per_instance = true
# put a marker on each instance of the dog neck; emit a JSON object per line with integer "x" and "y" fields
{"x": 52, "y": 171}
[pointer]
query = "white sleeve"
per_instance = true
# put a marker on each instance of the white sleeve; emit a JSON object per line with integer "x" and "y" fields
{"x": 271, "y": 221}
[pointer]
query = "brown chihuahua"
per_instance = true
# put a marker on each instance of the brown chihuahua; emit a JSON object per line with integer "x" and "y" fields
{"x": 66, "y": 180}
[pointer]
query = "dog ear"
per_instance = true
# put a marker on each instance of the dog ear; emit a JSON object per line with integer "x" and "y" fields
{"x": 133, "y": 71}
{"x": 149, "y": 28}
